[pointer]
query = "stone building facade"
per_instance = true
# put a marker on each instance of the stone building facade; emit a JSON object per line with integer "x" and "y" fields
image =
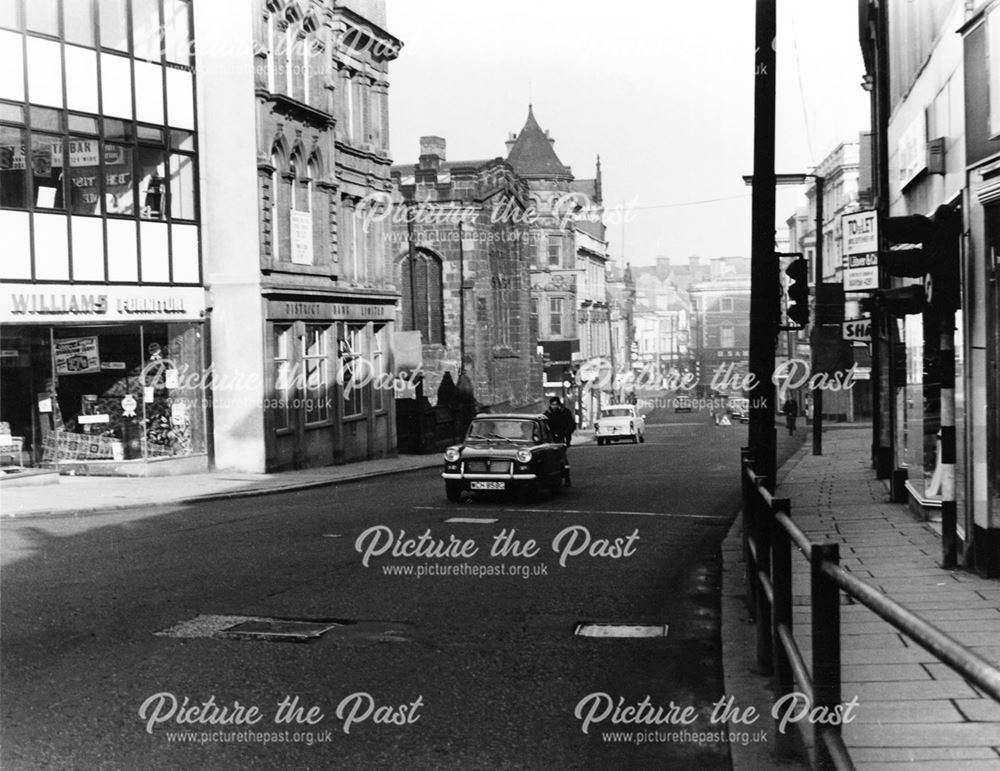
{"x": 460, "y": 256}
{"x": 304, "y": 303}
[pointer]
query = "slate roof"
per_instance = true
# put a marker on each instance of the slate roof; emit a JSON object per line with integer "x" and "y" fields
{"x": 532, "y": 155}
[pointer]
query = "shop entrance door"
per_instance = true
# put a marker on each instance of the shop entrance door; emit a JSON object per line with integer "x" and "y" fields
{"x": 26, "y": 412}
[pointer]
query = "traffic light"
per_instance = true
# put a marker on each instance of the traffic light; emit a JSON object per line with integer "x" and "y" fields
{"x": 902, "y": 301}
{"x": 798, "y": 291}
{"x": 829, "y": 303}
{"x": 933, "y": 253}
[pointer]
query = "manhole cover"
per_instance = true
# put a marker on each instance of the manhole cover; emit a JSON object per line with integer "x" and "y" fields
{"x": 279, "y": 629}
{"x": 621, "y": 630}
{"x": 249, "y": 628}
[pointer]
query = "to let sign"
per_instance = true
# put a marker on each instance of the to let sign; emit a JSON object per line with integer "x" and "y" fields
{"x": 860, "y": 236}
{"x": 858, "y": 330}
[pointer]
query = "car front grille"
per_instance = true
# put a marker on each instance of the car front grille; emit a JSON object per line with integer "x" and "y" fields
{"x": 488, "y": 466}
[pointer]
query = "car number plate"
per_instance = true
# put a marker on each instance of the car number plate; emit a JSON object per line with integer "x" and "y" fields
{"x": 487, "y": 486}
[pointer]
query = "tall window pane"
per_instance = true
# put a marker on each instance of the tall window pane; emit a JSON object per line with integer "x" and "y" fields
{"x": 11, "y": 65}
{"x": 379, "y": 368}
{"x": 177, "y": 31}
{"x": 42, "y": 16}
{"x": 146, "y": 29}
{"x": 152, "y": 187}
{"x": 317, "y": 384}
{"x": 118, "y": 195}
{"x": 113, "y": 16}
{"x": 81, "y": 79}
{"x": 44, "y": 72}
{"x": 13, "y": 169}
{"x": 116, "y": 85}
{"x": 350, "y": 351}
{"x": 180, "y": 98}
{"x": 78, "y": 16}
{"x": 84, "y": 175}
{"x": 283, "y": 393}
{"x": 275, "y": 209}
{"x": 555, "y": 316}
{"x": 9, "y": 14}
{"x": 182, "y": 187}
{"x": 47, "y": 170}
{"x": 149, "y": 92}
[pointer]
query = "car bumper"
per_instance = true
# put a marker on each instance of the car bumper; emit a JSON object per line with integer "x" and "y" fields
{"x": 489, "y": 477}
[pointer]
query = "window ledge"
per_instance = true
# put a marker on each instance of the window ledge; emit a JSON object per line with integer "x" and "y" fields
{"x": 287, "y": 104}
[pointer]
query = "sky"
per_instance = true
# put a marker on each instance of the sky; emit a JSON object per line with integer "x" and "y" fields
{"x": 662, "y": 91}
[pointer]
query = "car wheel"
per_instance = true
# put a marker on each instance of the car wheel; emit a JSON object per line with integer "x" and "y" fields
{"x": 635, "y": 439}
{"x": 601, "y": 441}
{"x": 555, "y": 485}
{"x": 642, "y": 437}
{"x": 453, "y": 491}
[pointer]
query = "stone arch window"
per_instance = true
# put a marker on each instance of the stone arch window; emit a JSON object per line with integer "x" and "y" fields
{"x": 275, "y": 205}
{"x": 502, "y": 305}
{"x": 423, "y": 297}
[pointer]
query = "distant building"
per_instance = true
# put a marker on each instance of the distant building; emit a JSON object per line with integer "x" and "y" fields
{"x": 721, "y": 325}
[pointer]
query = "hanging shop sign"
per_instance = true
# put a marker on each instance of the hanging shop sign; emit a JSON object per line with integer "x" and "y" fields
{"x": 96, "y": 303}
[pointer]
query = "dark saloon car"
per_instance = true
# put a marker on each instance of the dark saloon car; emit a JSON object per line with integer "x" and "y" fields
{"x": 506, "y": 453}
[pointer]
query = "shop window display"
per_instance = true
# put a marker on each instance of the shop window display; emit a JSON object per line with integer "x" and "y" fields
{"x": 105, "y": 393}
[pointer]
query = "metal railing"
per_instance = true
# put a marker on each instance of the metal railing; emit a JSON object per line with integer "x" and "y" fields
{"x": 769, "y": 535}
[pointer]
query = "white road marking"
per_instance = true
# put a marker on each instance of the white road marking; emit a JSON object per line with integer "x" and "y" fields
{"x": 332, "y": 535}
{"x": 472, "y": 520}
{"x": 622, "y": 630}
{"x": 582, "y": 511}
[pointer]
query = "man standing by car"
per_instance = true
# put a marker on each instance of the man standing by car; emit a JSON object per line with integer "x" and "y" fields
{"x": 562, "y": 421}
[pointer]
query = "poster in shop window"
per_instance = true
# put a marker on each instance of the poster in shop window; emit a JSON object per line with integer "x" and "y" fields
{"x": 77, "y": 356}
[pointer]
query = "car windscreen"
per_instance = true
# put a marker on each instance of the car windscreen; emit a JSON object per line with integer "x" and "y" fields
{"x": 511, "y": 430}
{"x": 621, "y": 412}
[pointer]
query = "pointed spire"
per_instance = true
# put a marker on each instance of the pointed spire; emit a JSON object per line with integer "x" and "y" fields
{"x": 532, "y": 154}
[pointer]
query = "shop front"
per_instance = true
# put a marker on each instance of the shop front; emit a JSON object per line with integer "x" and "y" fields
{"x": 103, "y": 380}
{"x": 330, "y": 398}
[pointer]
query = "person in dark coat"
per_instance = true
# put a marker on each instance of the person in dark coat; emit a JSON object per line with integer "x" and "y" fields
{"x": 791, "y": 410}
{"x": 562, "y": 421}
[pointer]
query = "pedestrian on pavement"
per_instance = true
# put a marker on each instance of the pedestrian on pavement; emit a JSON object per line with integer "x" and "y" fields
{"x": 791, "y": 410}
{"x": 562, "y": 421}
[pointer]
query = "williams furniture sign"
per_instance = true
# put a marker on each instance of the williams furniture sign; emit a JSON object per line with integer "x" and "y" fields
{"x": 78, "y": 302}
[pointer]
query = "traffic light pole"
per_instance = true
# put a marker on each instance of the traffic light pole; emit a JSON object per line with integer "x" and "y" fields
{"x": 949, "y": 508}
{"x": 764, "y": 270}
{"x": 817, "y": 392}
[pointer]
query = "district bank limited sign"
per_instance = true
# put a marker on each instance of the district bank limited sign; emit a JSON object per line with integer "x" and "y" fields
{"x": 96, "y": 303}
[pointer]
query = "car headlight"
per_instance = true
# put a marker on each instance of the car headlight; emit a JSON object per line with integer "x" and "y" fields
{"x": 452, "y": 454}
{"x": 523, "y": 456}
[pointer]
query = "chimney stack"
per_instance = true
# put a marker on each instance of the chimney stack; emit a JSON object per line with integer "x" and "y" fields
{"x": 432, "y": 152}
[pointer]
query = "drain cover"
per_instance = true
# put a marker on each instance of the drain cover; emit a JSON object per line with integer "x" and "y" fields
{"x": 621, "y": 630}
{"x": 279, "y": 629}
{"x": 249, "y": 628}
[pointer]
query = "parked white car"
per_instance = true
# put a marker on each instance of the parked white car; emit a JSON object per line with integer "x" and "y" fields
{"x": 620, "y": 421}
